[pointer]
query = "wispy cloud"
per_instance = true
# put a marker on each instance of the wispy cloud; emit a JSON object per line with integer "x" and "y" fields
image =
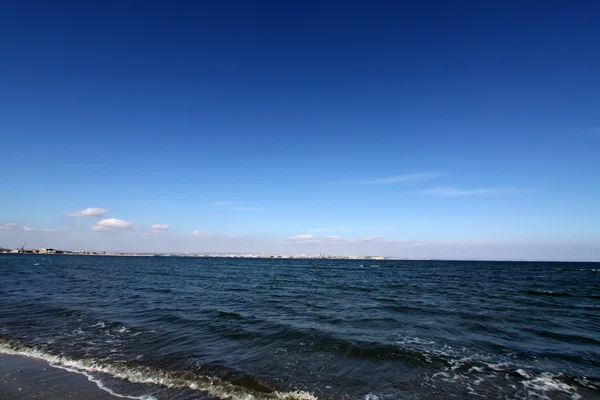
{"x": 114, "y": 225}
{"x": 90, "y": 212}
{"x": 389, "y": 180}
{"x": 306, "y": 238}
{"x": 48, "y": 230}
{"x": 310, "y": 238}
{"x": 159, "y": 228}
{"x": 246, "y": 208}
{"x": 369, "y": 239}
{"x": 196, "y": 233}
{"x": 337, "y": 239}
{"x": 455, "y": 192}
{"x": 9, "y": 226}
{"x": 222, "y": 203}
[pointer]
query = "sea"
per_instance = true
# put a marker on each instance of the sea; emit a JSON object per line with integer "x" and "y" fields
{"x": 234, "y": 328}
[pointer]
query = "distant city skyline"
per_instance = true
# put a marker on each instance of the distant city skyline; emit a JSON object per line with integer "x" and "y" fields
{"x": 464, "y": 130}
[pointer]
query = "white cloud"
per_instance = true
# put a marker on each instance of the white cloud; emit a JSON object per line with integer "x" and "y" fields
{"x": 196, "y": 233}
{"x": 369, "y": 239}
{"x": 159, "y": 228}
{"x": 454, "y": 192}
{"x": 310, "y": 238}
{"x": 89, "y": 212}
{"x": 334, "y": 238}
{"x": 338, "y": 239}
{"x": 27, "y": 229}
{"x": 401, "y": 178}
{"x": 307, "y": 238}
{"x": 9, "y": 226}
{"x": 222, "y": 203}
{"x": 115, "y": 225}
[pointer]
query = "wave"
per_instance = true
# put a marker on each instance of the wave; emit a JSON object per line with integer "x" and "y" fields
{"x": 559, "y": 294}
{"x": 479, "y": 379}
{"x": 547, "y": 293}
{"x": 240, "y": 389}
{"x": 564, "y": 337}
{"x": 547, "y": 383}
{"x": 101, "y": 384}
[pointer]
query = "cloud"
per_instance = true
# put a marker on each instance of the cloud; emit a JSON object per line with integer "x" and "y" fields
{"x": 308, "y": 238}
{"x": 369, "y": 239}
{"x": 401, "y": 178}
{"x": 159, "y": 228}
{"x": 8, "y": 226}
{"x": 114, "y": 225}
{"x": 337, "y": 239}
{"x": 334, "y": 238}
{"x": 27, "y": 229}
{"x": 222, "y": 203}
{"x": 245, "y": 208}
{"x": 196, "y": 233}
{"x": 89, "y": 212}
{"x": 454, "y": 192}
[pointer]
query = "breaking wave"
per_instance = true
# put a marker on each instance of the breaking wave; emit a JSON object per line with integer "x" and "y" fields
{"x": 213, "y": 386}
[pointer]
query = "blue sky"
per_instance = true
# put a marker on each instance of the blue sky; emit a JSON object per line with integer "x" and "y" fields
{"x": 463, "y": 129}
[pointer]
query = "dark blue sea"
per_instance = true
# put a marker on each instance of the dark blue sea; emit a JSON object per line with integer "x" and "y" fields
{"x": 219, "y": 328}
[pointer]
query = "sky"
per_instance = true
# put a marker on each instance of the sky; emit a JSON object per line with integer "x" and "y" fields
{"x": 423, "y": 129}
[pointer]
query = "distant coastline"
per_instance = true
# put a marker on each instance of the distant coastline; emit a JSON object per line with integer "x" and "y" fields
{"x": 50, "y": 251}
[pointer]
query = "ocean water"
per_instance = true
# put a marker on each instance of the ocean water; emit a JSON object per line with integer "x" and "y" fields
{"x": 216, "y": 328}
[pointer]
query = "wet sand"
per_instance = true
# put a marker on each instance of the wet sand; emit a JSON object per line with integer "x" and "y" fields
{"x": 27, "y": 378}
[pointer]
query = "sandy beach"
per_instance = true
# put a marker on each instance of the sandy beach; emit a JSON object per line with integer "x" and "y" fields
{"x": 27, "y": 378}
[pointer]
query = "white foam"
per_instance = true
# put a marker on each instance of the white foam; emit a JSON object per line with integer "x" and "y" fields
{"x": 523, "y": 373}
{"x": 498, "y": 367}
{"x": 415, "y": 340}
{"x": 211, "y": 385}
{"x": 476, "y": 369}
{"x": 546, "y": 382}
{"x": 101, "y": 385}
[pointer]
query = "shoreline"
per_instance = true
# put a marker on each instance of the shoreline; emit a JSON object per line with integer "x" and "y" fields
{"x": 24, "y": 377}
{"x": 257, "y": 256}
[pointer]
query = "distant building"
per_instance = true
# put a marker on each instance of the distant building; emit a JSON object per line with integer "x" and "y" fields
{"x": 44, "y": 250}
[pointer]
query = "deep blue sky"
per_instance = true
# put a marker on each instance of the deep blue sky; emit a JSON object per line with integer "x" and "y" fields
{"x": 428, "y": 123}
